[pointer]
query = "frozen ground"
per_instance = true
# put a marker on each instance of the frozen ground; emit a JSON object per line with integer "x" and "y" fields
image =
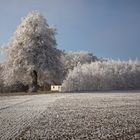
{"x": 79, "y": 116}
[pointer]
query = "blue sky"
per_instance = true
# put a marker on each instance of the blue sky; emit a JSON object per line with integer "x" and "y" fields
{"x": 108, "y": 28}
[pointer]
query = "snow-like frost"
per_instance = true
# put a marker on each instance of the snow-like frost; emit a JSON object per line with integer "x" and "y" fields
{"x": 104, "y": 75}
{"x": 32, "y": 47}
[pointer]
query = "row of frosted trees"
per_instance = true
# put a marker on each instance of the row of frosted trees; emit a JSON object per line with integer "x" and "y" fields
{"x": 106, "y": 75}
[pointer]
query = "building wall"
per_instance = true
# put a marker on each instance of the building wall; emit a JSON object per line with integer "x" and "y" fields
{"x": 55, "y": 87}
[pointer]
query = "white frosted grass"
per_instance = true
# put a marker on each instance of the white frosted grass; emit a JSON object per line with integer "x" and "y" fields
{"x": 73, "y": 116}
{"x": 20, "y": 112}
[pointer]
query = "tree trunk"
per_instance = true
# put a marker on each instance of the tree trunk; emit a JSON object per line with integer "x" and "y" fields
{"x": 33, "y": 87}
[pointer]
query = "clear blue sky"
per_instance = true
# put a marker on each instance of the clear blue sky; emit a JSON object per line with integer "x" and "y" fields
{"x": 108, "y": 28}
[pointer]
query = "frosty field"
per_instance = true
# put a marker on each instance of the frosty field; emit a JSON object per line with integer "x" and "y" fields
{"x": 78, "y": 116}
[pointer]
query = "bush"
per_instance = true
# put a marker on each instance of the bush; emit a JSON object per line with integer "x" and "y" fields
{"x": 106, "y": 75}
{"x": 72, "y": 59}
{"x": 17, "y": 87}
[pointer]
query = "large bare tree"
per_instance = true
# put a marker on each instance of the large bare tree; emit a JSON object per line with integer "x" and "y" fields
{"x": 32, "y": 53}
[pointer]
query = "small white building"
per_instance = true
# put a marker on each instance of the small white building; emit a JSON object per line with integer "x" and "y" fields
{"x": 56, "y": 88}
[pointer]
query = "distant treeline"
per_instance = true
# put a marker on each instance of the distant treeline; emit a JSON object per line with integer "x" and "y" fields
{"x": 105, "y": 75}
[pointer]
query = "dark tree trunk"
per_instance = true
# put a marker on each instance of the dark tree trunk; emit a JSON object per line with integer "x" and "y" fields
{"x": 33, "y": 87}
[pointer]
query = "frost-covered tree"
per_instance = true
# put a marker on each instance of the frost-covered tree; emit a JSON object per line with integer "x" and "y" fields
{"x": 73, "y": 59}
{"x": 32, "y": 53}
{"x": 106, "y": 75}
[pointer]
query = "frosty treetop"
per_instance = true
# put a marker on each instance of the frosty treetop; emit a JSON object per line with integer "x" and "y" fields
{"x": 32, "y": 47}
